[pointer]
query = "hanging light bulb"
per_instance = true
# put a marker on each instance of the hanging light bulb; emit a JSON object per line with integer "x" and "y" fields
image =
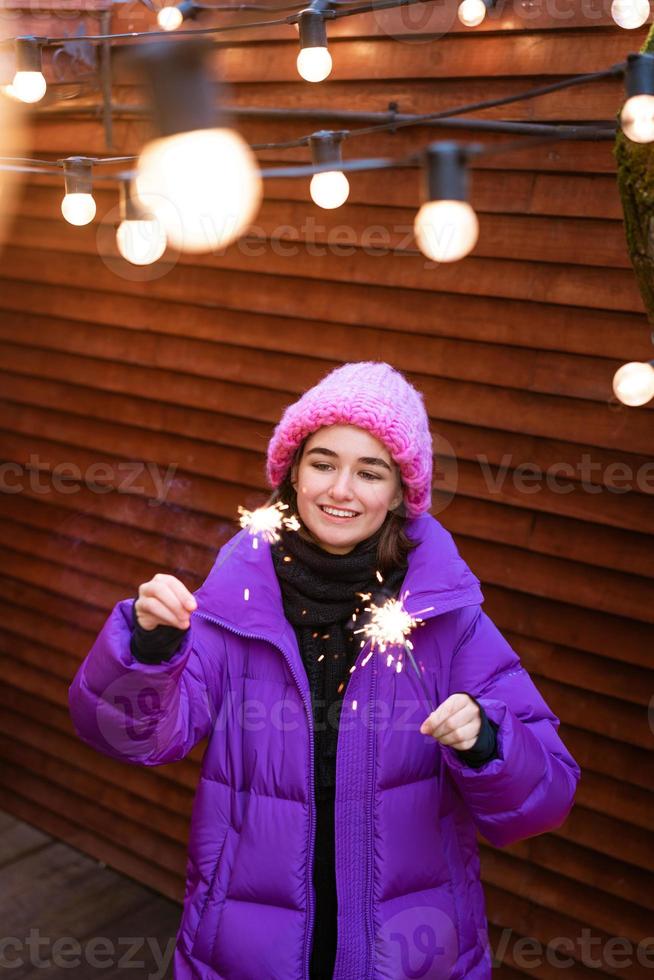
{"x": 633, "y": 383}
{"x": 140, "y": 237}
{"x": 446, "y": 227}
{"x": 171, "y": 16}
{"x": 78, "y": 206}
{"x": 472, "y": 12}
{"x": 200, "y": 176}
{"x": 314, "y": 62}
{"x": 28, "y": 83}
{"x": 630, "y": 14}
{"x": 637, "y": 116}
{"x": 330, "y": 188}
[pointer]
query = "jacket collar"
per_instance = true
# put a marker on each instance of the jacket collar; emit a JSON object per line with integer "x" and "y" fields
{"x": 242, "y": 590}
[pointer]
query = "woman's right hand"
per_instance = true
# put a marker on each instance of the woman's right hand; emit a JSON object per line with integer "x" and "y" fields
{"x": 164, "y": 601}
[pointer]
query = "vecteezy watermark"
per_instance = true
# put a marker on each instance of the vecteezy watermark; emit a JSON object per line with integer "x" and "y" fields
{"x": 530, "y": 478}
{"x": 137, "y": 711}
{"x": 418, "y": 942}
{"x": 98, "y": 952}
{"x": 562, "y": 952}
{"x": 131, "y": 10}
{"x": 309, "y": 236}
{"x": 41, "y": 478}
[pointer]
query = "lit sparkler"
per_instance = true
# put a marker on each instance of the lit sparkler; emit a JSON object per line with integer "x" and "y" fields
{"x": 267, "y": 521}
{"x": 390, "y": 626}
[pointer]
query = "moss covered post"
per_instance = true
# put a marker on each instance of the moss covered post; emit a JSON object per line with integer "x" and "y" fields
{"x": 635, "y": 164}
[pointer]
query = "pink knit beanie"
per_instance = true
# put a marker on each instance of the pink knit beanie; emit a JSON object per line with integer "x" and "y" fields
{"x": 373, "y": 396}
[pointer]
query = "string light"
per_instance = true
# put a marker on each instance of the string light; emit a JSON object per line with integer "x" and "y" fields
{"x": 200, "y": 175}
{"x": 140, "y": 237}
{"x": 637, "y": 116}
{"x": 329, "y": 189}
{"x": 78, "y": 205}
{"x": 446, "y": 227}
{"x": 28, "y": 84}
{"x": 171, "y": 16}
{"x": 314, "y": 62}
{"x": 633, "y": 383}
{"x": 471, "y": 13}
{"x": 630, "y": 14}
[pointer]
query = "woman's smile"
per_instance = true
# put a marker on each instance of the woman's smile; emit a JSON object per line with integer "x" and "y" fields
{"x": 337, "y": 514}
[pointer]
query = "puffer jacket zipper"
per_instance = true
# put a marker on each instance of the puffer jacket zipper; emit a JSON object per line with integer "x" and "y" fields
{"x": 371, "y": 820}
{"x": 312, "y": 804}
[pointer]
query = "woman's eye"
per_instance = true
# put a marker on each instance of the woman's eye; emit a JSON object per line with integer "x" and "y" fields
{"x": 369, "y": 476}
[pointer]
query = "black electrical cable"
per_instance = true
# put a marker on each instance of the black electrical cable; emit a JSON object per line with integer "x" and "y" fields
{"x": 397, "y": 121}
{"x": 160, "y": 35}
{"x": 231, "y": 8}
{"x": 493, "y": 103}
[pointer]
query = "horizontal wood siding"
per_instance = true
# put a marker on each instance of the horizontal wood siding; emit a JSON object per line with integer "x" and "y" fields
{"x": 180, "y": 373}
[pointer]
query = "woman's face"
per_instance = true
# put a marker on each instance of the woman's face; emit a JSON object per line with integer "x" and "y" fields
{"x": 346, "y": 483}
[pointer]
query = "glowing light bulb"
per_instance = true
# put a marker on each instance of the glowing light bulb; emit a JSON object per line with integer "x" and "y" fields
{"x": 630, "y": 14}
{"x": 314, "y": 64}
{"x": 141, "y": 241}
{"x": 637, "y": 118}
{"x": 633, "y": 383}
{"x": 472, "y": 12}
{"x": 446, "y": 230}
{"x": 78, "y": 209}
{"x": 169, "y": 18}
{"x": 329, "y": 189}
{"x": 205, "y": 185}
{"x": 28, "y": 86}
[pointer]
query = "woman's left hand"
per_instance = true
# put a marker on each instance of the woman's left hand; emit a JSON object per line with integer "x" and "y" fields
{"x": 456, "y": 722}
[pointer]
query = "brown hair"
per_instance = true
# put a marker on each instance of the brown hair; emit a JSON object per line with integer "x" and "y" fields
{"x": 394, "y": 544}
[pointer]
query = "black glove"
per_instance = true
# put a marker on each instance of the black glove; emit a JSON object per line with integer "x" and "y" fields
{"x": 154, "y": 646}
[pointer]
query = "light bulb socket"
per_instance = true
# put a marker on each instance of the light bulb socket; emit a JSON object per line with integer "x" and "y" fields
{"x": 326, "y": 146}
{"x": 445, "y": 172}
{"x": 130, "y": 207}
{"x": 28, "y": 54}
{"x": 639, "y": 75}
{"x": 182, "y": 92}
{"x": 313, "y": 33}
{"x": 488, "y": 4}
{"x": 187, "y": 9}
{"x": 78, "y": 177}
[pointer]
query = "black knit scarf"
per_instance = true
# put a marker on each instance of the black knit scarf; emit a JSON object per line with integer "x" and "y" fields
{"x": 320, "y": 596}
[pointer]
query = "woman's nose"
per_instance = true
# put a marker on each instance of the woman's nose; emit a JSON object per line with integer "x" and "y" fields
{"x": 341, "y": 488}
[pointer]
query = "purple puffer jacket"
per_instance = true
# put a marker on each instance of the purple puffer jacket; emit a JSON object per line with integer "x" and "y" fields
{"x": 410, "y": 901}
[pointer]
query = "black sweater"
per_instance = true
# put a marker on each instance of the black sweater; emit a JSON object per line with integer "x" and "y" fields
{"x": 159, "y": 644}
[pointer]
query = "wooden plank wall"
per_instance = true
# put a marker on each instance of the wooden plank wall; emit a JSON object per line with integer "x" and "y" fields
{"x": 187, "y": 371}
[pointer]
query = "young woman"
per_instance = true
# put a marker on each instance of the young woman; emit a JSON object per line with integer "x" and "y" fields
{"x": 333, "y": 831}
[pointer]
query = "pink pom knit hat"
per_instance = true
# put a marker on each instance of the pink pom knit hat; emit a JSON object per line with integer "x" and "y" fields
{"x": 373, "y": 396}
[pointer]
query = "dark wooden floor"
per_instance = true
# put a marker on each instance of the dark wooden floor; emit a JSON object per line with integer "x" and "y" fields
{"x": 66, "y": 915}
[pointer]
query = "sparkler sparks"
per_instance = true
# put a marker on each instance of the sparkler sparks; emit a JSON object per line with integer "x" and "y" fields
{"x": 267, "y": 522}
{"x": 390, "y": 626}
